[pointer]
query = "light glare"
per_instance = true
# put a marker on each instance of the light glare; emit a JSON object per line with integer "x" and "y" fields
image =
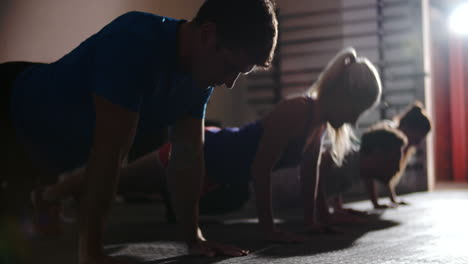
{"x": 458, "y": 20}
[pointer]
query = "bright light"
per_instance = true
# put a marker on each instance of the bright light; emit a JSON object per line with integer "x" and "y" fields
{"x": 458, "y": 20}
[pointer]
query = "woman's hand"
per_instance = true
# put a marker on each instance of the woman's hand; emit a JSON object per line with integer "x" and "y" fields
{"x": 384, "y": 206}
{"x": 401, "y": 202}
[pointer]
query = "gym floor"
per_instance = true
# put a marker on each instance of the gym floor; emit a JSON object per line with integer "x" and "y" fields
{"x": 432, "y": 229}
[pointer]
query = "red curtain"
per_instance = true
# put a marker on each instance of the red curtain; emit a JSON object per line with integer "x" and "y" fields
{"x": 458, "y": 105}
{"x": 441, "y": 95}
{"x": 450, "y": 93}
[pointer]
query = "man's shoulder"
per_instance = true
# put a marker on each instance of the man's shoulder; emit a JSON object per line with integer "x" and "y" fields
{"x": 140, "y": 36}
{"x": 140, "y": 24}
{"x": 137, "y": 18}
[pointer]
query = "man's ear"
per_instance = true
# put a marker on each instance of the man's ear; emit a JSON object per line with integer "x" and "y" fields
{"x": 209, "y": 35}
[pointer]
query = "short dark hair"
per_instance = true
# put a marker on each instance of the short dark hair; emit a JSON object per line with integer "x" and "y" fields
{"x": 248, "y": 25}
{"x": 416, "y": 118}
{"x": 382, "y": 139}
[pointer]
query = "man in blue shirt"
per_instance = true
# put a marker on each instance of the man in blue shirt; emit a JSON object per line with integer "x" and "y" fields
{"x": 139, "y": 74}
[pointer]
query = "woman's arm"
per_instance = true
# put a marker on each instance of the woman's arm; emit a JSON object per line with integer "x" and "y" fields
{"x": 284, "y": 122}
{"x": 408, "y": 152}
{"x": 312, "y": 184}
{"x": 371, "y": 186}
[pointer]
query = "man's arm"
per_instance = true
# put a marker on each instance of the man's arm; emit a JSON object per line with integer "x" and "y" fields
{"x": 114, "y": 131}
{"x": 185, "y": 174}
{"x": 185, "y": 178}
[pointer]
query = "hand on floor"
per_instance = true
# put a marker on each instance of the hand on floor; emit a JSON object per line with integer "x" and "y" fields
{"x": 401, "y": 202}
{"x": 385, "y": 206}
{"x": 211, "y": 249}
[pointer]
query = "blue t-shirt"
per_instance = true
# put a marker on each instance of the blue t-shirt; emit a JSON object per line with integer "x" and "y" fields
{"x": 132, "y": 62}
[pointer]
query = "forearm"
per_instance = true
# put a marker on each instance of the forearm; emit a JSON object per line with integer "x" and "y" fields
{"x": 262, "y": 185}
{"x": 312, "y": 169}
{"x": 310, "y": 192}
{"x": 322, "y": 204}
{"x": 95, "y": 199}
{"x": 325, "y": 163}
{"x": 185, "y": 184}
{"x": 371, "y": 190}
{"x": 391, "y": 193}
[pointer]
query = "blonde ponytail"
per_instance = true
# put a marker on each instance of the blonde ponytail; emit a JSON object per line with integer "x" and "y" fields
{"x": 342, "y": 141}
{"x": 351, "y": 78}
